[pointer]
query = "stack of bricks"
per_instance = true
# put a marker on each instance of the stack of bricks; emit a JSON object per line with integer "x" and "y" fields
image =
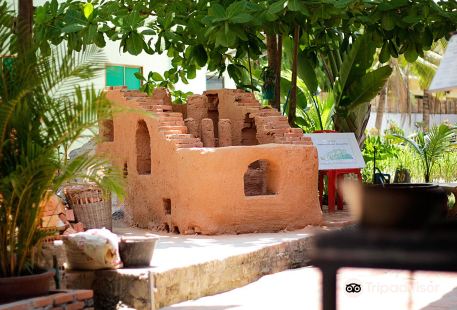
{"x": 293, "y": 136}
{"x": 246, "y": 99}
{"x": 54, "y": 216}
{"x": 56, "y": 300}
{"x": 160, "y": 100}
{"x": 171, "y": 124}
{"x": 272, "y": 127}
{"x": 173, "y": 127}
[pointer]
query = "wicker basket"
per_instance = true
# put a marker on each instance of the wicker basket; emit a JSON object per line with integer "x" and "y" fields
{"x": 90, "y": 206}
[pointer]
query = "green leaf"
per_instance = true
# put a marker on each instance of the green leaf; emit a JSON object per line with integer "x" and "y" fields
{"x": 40, "y": 15}
{"x": 91, "y": 34}
{"x": 241, "y": 18}
{"x": 236, "y": 8}
{"x": 134, "y": 43}
{"x": 412, "y": 19}
{"x": 72, "y": 28}
{"x": 156, "y": 76}
{"x": 276, "y": 7}
{"x": 388, "y": 22}
{"x": 225, "y": 38}
{"x": 296, "y": 6}
{"x": 217, "y": 10}
{"x": 393, "y": 49}
{"x": 88, "y": 9}
{"x": 347, "y": 68}
{"x": 411, "y": 54}
{"x": 306, "y": 73}
{"x": 139, "y": 76}
{"x": 200, "y": 55}
{"x": 191, "y": 73}
{"x": 148, "y": 32}
{"x": 235, "y": 73}
{"x": 100, "y": 40}
{"x": 384, "y": 55}
{"x": 367, "y": 88}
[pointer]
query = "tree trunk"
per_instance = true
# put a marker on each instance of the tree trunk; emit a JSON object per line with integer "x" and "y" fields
{"x": 381, "y": 108}
{"x": 427, "y": 176}
{"x": 272, "y": 50}
{"x": 24, "y": 25}
{"x": 293, "y": 90}
{"x": 274, "y": 56}
{"x": 277, "y": 100}
{"x": 426, "y": 110}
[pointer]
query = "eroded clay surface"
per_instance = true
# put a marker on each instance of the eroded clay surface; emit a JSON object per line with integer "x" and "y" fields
{"x": 255, "y": 173}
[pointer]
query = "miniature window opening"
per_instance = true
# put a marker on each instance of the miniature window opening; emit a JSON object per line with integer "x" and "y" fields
{"x": 125, "y": 171}
{"x": 258, "y": 179}
{"x": 107, "y": 130}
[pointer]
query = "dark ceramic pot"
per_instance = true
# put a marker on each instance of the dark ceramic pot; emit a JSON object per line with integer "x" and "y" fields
{"x": 137, "y": 251}
{"x": 22, "y": 287}
{"x": 407, "y": 206}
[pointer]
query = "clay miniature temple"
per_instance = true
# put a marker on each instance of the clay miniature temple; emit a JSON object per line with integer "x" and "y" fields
{"x": 219, "y": 164}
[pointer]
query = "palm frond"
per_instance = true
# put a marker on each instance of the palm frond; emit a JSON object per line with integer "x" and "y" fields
{"x": 43, "y": 108}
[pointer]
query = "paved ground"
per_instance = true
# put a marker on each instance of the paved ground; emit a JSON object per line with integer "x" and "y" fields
{"x": 300, "y": 289}
{"x": 197, "y": 249}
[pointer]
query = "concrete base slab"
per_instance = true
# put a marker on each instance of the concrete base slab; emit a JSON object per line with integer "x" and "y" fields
{"x": 190, "y": 267}
{"x": 301, "y": 289}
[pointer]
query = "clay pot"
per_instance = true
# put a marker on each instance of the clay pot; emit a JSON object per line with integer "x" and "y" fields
{"x": 22, "y": 287}
{"x": 137, "y": 251}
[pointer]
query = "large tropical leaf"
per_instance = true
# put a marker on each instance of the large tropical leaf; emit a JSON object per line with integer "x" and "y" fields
{"x": 367, "y": 88}
{"x": 306, "y": 73}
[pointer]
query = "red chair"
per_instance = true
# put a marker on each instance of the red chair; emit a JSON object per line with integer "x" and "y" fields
{"x": 333, "y": 178}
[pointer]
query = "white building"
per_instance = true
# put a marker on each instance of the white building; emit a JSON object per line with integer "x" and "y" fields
{"x": 120, "y": 68}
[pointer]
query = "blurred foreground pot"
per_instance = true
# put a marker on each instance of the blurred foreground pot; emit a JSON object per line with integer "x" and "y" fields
{"x": 407, "y": 206}
{"x": 22, "y": 287}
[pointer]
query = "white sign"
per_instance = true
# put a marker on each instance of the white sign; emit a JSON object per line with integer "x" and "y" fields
{"x": 337, "y": 151}
{"x": 446, "y": 75}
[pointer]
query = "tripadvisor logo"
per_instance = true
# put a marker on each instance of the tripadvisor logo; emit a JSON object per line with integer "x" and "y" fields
{"x": 353, "y": 288}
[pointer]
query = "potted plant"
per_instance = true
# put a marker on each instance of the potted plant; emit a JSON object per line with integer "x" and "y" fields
{"x": 42, "y": 114}
{"x": 402, "y": 175}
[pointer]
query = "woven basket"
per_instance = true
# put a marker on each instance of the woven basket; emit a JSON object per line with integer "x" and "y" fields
{"x": 90, "y": 206}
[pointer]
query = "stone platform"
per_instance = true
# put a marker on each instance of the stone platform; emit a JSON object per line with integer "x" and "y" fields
{"x": 190, "y": 267}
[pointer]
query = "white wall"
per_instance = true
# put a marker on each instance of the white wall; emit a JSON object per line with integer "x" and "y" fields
{"x": 408, "y": 124}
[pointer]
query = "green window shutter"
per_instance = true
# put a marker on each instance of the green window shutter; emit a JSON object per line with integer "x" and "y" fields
{"x": 131, "y": 81}
{"x": 115, "y": 76}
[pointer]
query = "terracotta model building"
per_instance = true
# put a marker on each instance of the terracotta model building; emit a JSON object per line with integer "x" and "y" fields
{"x": 223, "y": 164}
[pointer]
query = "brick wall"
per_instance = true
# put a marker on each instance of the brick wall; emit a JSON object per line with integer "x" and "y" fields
{"x": 56, "y": 300}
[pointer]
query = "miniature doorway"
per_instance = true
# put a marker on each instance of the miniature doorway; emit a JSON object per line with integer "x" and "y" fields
{"x": 249, "y": 131}
{"x": 213, "y": 112}
{"x": 143, "y": 149}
